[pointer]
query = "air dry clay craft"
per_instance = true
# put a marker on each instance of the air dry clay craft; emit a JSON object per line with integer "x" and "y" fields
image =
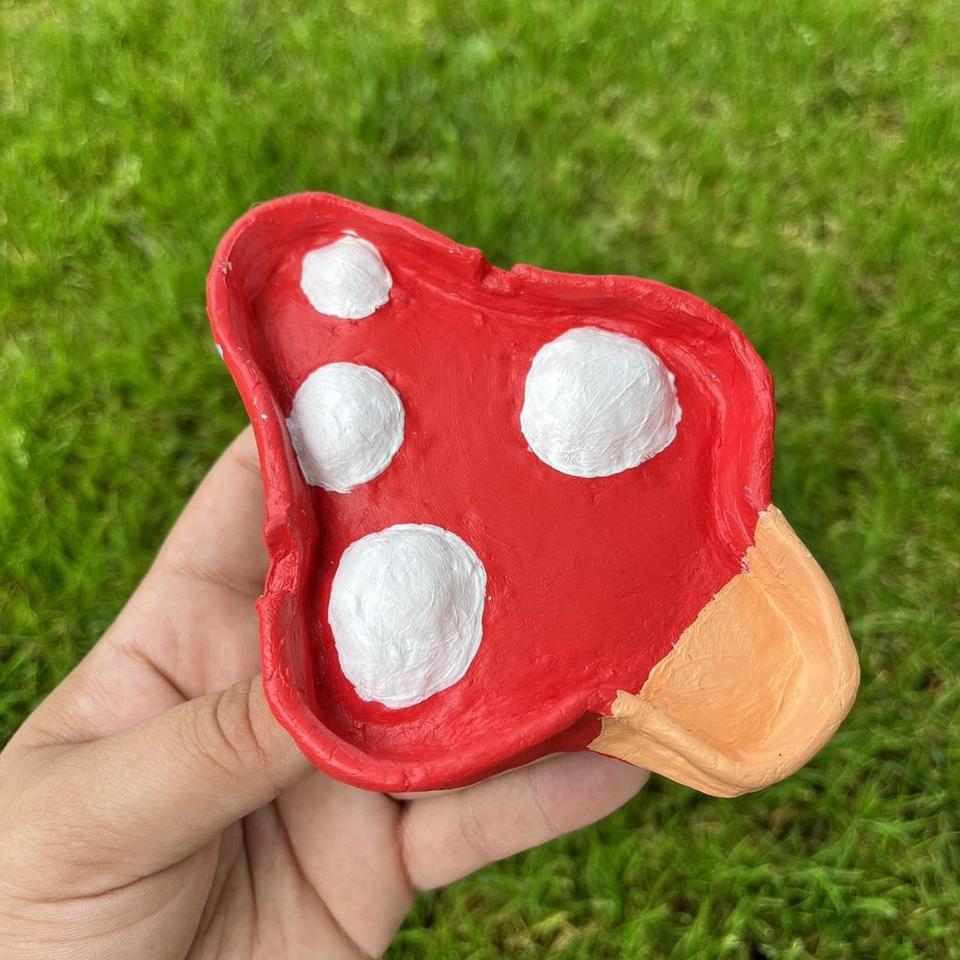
{"x": 511, "y": 513}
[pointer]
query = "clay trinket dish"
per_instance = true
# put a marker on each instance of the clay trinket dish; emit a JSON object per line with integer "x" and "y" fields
{"x": 511, "y": 513}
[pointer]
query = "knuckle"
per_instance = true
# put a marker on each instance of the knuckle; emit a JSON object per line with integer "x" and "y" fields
{"x": 222, "y": 733}
{"x": 542, "y": 804}
{"x": 475, "y": 834}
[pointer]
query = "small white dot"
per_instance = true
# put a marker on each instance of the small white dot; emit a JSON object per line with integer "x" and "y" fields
{"x": 406, "y": 612}
{"x": 346, "y": 424}
{"x": 346, "y": 279}
{"x": 597, "y": 403}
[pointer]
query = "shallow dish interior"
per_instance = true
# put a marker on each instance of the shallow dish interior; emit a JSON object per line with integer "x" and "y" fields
{"x": 589, "y": 581}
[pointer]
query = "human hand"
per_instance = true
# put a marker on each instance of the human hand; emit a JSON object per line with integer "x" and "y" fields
{"x": 152, "y": 807}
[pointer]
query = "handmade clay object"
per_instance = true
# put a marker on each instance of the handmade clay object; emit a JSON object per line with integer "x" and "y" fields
{"x": 511, "y": 513}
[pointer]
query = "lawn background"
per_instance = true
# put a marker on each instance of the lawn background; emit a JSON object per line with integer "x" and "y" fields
{"x": 798, "y": 165}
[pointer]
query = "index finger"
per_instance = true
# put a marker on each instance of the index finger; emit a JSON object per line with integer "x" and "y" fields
{"x": 447, "y": 836}
{"x": 218, "y": 538}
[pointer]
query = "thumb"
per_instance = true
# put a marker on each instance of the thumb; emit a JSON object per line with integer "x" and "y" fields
{"x": 169, "y": 785}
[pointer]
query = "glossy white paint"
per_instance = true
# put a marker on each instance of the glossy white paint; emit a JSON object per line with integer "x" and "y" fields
{"x": 346, "y": 279}
{"x": 597, "y": 403}
{"x": 346, "y": 424}
{"x": 406, "y": 611}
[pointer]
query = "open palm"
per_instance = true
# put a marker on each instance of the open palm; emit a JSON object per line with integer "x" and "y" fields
{"x": 153, "y": 808}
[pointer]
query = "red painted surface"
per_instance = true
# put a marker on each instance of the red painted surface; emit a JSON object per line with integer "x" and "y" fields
{"x": 590, "y": 581}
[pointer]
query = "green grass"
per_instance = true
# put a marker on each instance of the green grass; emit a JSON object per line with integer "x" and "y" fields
{"x": 796, "y": 164}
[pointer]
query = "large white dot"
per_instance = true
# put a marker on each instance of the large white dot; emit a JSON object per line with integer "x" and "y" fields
{"x": 346, "y": 278}
{"x": 596, "y": 403}
{"x": 406, "y": 611}
{"x": 346, "y": 424}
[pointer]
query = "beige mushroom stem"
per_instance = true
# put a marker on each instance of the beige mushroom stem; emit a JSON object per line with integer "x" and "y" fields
{"x": 754, "y": 687}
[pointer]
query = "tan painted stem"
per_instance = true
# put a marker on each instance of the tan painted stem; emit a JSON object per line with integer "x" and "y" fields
{"x": 754, "y": 687}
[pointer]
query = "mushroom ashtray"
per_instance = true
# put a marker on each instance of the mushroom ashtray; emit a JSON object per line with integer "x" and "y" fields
{"x": 512, "y": 513}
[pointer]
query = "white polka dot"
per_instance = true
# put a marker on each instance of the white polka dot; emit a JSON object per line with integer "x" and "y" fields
{"x": 346, "y": 425}
{"x": 346, "y": 278}
{"x": 406, "y": 611}
{"x": 596, "y": 403}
